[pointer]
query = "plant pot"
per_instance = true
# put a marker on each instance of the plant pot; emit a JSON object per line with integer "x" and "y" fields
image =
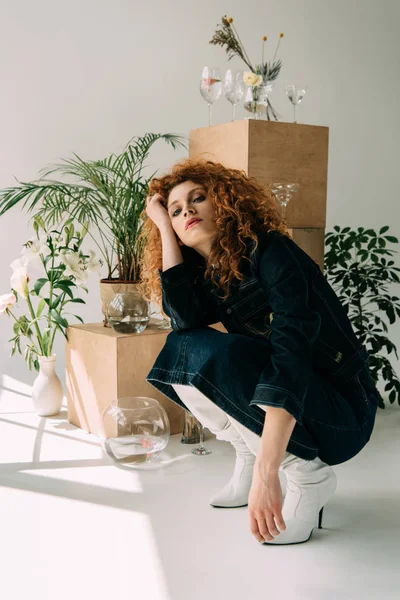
{"x": 108, "y": 289}
{"x": 47, "y": 392}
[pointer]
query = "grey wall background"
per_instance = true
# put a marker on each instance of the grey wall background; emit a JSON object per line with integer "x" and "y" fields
{"x": 87, "y": 75}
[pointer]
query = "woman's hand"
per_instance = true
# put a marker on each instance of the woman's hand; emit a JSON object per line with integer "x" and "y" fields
{"x": 157, "y": 211}
{"x": 265, "y": 504}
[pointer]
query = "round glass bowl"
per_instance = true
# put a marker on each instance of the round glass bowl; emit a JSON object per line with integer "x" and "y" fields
{"x": 135, "y": 429}
{"x": 128, "y": 313}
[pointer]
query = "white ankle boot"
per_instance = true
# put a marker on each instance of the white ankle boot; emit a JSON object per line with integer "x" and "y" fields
{"x": 309, "y": 486}
{"x": 236, "y": 492}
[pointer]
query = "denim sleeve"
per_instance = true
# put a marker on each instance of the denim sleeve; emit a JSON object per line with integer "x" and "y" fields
{"x": 184, "y": 305}
{"x": 284, "y": 380}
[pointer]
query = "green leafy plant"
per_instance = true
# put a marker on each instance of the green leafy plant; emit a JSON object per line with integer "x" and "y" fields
{"x": 106, "y": 197}
{"x": 65, "y": 269}
{"x": 357, "y": 267}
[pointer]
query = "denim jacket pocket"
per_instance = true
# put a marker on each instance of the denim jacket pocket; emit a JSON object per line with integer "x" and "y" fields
{"x": 260, "y": 324}
{"x": 253, "y": 313}
{"x": 328, "y": 356}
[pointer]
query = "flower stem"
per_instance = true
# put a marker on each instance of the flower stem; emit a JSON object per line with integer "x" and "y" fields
{"x": 39, "y": 335}
{"x": 51, "y": 340}
{"x": 279, "y": 41}
{"x": 50, "y": 298}
{"x": 247, "y": 60}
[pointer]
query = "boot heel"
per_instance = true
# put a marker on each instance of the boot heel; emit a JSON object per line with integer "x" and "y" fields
{"x": 320, "y": 518}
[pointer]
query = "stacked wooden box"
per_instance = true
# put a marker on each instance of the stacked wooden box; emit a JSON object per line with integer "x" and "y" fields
{"x": 272, "y": 152}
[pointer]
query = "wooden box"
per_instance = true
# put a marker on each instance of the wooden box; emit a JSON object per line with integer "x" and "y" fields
{"x": 271, "y": 152}
{"x": 312, "y": 241}
{"x": 103, "y": 365}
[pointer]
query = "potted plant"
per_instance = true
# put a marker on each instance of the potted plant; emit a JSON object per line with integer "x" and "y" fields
{"x": 64, "y": 270}
{"x": 356, "y": 267}
{"x": 106, "y": 197}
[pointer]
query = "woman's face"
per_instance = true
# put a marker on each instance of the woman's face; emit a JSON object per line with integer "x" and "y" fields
{"x": 188, "y": 201}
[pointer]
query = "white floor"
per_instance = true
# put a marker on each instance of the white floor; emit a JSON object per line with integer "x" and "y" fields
{"x": 75, "y": 526}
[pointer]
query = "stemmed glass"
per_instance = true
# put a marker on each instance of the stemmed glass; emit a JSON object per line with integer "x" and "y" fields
{"x": 295, "y": 93}
{"x": 165, "y": 323}
{"x": 283, "y": 192}
{"x": 201, "y": 450}
{"x": 210, "y": 87}
{"x": 233, "y": 88}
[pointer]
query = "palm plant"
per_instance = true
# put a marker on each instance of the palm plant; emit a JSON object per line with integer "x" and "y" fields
{"x": 356, "y": 267}
{"x": 107, "y": 197}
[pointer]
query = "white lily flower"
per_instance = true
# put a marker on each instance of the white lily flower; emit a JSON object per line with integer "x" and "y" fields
{"x": 17, "y": 264}
{"x": 75, "y": 267}
{"x": 34, "y": 248}
{"x": 6, "y": 302}
{"x": 93, "y": 264}
{"x": 19, "y": 282}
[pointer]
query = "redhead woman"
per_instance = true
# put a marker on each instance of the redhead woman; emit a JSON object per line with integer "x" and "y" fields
{"x": 288, "y": 385}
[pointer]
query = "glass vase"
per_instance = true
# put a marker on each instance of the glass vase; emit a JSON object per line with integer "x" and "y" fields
{"x": 128, "y": 313}
{"x": 135, "y": 429}
{"x": 257, "y": 101}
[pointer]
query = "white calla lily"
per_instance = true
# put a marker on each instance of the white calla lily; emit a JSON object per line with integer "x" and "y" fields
{"x": 19, "y": 282}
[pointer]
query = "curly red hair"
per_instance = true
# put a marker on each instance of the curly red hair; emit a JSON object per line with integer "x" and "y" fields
{"x": 242, "y": 208}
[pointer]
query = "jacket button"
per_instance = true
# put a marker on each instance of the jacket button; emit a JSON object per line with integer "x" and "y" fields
{"x": 228, "y": 311}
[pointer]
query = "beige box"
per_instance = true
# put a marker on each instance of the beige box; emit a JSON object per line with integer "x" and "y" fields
{"x": 312, "y": 241}
{"x": 103, "y": 365}
{"x": 271, "y": 152}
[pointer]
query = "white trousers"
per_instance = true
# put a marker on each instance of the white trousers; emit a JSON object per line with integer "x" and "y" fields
{"x": 216, "y": 419}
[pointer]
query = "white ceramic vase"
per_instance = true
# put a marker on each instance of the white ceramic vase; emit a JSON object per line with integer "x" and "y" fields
{"x": 47, "y": 392}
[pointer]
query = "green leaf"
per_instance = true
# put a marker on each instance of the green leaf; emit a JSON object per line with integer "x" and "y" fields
{"x": 39, "y": 284}
{"x": 77, "y": 300}
{"x": 56, "y": 302}
{"x": 384, "y": 229}
{"x": 40, "y": 307}
{"x": 59, "y": 319}
{"x": 64, "y": 288}
{"x": 79, "y": 318}
{"x": 392, "y": 239}
{"x": 67, "y": 282}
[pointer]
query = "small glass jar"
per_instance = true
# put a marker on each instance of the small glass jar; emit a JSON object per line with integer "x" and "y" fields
{"x": 135, "y": 429}
{"x": 128, "y": 313}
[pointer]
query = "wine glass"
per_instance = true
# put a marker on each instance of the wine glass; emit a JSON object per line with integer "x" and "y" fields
{"x": 233, "y": 88}
{"x": 165, "y": 323}
{"x": 210, "y": 87}
{"x": 201, "y": 450}
{"x": 295, "y": 93}
{"x": 283, "y": 192}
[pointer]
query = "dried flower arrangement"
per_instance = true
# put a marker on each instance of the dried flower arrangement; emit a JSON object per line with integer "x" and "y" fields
{"x": 260, "y": 75}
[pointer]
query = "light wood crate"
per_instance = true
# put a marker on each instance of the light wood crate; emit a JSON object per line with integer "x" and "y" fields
{"x": 312, "y": 241}
{"x": 103, "y": 365}
{"x": 272, "y": 152}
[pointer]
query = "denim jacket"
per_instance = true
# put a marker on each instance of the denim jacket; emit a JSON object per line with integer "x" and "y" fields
{"x": 285, "y": 300}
